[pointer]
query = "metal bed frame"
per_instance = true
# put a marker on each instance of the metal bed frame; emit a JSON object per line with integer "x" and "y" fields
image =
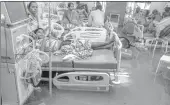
{"x": 117, "y": 55}
{"x": 117, "y": 48}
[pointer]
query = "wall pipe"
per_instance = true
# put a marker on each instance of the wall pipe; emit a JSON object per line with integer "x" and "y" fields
{"x": 50, "y": 64}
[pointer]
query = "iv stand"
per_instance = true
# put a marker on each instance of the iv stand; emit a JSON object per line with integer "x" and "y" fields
{"x": 50, "y": 64}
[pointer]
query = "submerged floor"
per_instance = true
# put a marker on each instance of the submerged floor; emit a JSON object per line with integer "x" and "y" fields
{"x": 137, "y": 89}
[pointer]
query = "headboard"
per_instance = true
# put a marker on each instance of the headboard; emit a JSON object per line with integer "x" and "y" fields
{"x": 91, "y": 33}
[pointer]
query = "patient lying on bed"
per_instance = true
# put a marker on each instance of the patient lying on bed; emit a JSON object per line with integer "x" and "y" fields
{"x": 81, "y": 49}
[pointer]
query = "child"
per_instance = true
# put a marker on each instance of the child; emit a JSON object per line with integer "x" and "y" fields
{"x": 43, "y": 42}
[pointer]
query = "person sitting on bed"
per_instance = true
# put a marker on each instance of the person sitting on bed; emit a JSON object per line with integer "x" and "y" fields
{"x": 111, "y": 38}
{"x": 96, "y": 17}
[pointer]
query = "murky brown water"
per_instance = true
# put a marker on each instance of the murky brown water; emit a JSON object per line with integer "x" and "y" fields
{"x": 136, "y": 88}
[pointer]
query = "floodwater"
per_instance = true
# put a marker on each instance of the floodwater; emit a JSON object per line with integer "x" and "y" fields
{"x": 137, "y": 88}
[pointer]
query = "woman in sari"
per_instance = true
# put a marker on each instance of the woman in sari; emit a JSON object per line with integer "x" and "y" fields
{"x": 33, "y": 15}
{"x": 35, "y": 19}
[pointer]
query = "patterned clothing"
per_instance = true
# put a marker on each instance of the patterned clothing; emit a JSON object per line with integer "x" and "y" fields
{"x": 80, "y": 48}
{"x": 33, "y": 23}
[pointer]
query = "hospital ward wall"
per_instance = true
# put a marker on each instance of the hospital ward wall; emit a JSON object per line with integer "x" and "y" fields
{"x": 116, "y": 8}
{"x": 158, "y": 5}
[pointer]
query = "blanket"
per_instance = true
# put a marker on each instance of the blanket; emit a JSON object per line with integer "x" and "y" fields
{"x": 78, "y": 49}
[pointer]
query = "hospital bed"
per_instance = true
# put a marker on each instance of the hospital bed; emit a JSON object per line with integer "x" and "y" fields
{"x": 101, "y": 63}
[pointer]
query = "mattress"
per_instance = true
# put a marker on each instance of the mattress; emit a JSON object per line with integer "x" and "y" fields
{"x": 57, "y": 61}
{"x": 101, "y": 59}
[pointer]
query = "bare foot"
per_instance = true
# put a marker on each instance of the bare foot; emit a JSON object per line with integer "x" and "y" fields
{"x": 38, "y": 89}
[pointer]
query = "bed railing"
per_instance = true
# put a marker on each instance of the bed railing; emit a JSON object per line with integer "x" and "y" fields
{"x": 91, "y": 33}
{"x": 117, "y": 49}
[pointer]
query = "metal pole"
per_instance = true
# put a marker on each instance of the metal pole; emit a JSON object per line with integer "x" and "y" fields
{"x": 50, "y": 64}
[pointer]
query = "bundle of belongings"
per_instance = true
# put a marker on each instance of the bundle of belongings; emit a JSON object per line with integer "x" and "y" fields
{"x": 78, "y": 49}
{"x": 29, "y": 60}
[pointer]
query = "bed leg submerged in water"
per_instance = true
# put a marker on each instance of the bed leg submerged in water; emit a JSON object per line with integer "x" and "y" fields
{"x": 86, "y": 77}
